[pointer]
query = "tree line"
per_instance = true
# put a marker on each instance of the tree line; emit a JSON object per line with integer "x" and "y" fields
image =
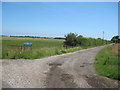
{"x": 72, "y": 39}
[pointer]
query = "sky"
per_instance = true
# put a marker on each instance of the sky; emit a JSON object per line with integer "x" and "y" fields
{"x": 55, "y": 19}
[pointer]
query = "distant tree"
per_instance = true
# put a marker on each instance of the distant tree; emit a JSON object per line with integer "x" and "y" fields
{"x": 59, "y": 38}
{"x": 80, "y": 36}
{"x": 98, "y": 38}
{"x": 115, "y": 39}
{"x": 71, "y": 39}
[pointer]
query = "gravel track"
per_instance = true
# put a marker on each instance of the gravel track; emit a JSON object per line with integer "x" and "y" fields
{"x": 72, "y": 70}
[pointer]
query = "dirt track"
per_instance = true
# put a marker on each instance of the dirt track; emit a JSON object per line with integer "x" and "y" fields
{"x": 72, "y": 70}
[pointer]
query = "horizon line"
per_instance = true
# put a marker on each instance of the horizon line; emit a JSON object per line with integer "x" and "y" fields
{"x": 46, "y": 36}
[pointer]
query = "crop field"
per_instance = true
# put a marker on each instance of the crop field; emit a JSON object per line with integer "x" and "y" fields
{"x": 13, "y": 48}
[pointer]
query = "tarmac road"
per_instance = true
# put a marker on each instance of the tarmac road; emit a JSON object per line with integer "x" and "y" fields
{"x": 72, "y": 70}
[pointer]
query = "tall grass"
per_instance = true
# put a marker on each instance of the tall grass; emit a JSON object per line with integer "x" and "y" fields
{"x": 106, "y": 62}
{"x": 11, "y": 48}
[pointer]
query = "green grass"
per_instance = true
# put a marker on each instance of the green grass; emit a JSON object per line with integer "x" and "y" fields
{"x": 106, "y": 63}
{"x": 40, "y": 48}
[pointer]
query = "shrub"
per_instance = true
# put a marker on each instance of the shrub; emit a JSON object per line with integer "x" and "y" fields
{"x": 71, "y": 39}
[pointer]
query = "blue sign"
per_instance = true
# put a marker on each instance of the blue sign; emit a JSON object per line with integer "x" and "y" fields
{"x": 28, "y": 43}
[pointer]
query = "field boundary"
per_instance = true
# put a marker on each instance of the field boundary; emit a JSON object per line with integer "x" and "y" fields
{"x": 62, "y": 53}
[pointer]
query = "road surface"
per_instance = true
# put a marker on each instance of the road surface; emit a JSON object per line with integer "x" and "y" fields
{"x": 72, "y": 70}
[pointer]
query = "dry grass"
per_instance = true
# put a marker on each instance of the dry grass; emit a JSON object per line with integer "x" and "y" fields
{"x": 116, "y": 49}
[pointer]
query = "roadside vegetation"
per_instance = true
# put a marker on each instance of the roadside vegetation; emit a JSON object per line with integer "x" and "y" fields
{"x": 73, "y": 40}
{"x": 13, "y": 47}
{"x": 106, "y": 62}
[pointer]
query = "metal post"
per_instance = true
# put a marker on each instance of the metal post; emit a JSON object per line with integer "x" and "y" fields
{"x": 103, "y": 37}
{"x": 24, "y": 47}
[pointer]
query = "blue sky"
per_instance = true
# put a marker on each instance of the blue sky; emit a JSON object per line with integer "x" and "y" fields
{"x": 55, "y": 19}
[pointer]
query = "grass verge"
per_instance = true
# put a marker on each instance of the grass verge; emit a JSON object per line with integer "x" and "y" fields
{"x": 106, "y": 62}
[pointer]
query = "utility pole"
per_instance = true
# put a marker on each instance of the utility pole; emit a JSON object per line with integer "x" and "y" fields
{"x": 103, "y": 37}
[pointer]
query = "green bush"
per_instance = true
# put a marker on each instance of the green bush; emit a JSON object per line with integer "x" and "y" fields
{"x": 72, "y": 39}
{"x": 63, "y": 51}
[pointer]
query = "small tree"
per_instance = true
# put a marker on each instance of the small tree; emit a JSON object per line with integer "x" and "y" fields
{"x": 115, "y": 39}
{"x": 71, "y": 39}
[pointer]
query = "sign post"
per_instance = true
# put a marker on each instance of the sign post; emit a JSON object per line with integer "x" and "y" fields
{"x": 27, "y": 44}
